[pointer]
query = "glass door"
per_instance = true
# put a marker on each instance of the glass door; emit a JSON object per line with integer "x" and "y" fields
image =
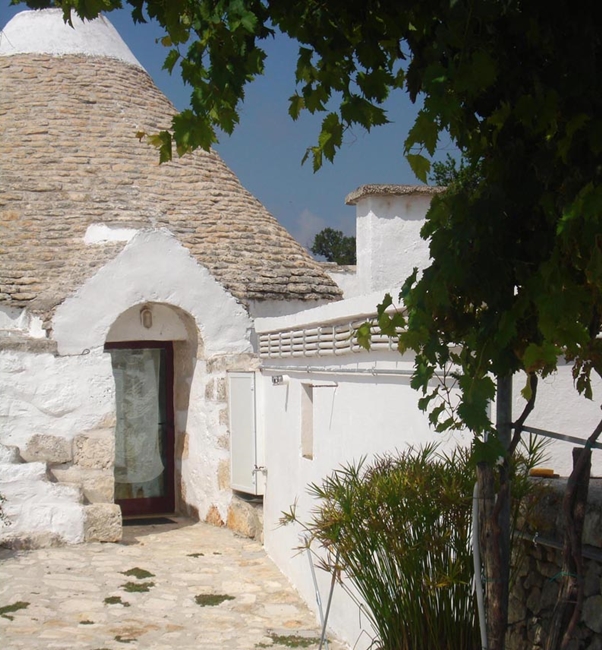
{"x": 144, "y": 434}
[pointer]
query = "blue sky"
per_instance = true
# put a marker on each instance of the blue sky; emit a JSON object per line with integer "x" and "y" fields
{"x": 266, "y": 148}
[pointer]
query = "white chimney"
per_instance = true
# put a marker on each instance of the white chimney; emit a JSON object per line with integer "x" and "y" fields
{"x": 388, "y": 223}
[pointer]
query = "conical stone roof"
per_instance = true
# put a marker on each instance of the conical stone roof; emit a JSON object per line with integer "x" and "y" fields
{"x": 69, "y": 158}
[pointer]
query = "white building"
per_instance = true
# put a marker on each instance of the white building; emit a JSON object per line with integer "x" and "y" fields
{"x": 165, "y": 345}
{"x": 127, "y": 289}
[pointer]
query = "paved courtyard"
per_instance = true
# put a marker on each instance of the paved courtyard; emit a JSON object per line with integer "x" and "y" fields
{"x": 167, "y": 586}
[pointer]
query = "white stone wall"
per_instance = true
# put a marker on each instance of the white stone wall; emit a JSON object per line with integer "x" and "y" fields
{"x": 70, "y": 393}
{"x": 153, "y": 267}
{"x": 388, "y": 239}
{"x": 15, "y": 321}
{"x": 346, "y": 278}
{"x": 45, "y": 394}
{"x": 49, "y": 407}
{"x": 358, "y": 414}
{"x": 561, "y": 409}
{"x": 268, "y": 308}
{"x": 188, "y": 305}
{"x": 354, "y": 415}
{"x": 38, "y": 512}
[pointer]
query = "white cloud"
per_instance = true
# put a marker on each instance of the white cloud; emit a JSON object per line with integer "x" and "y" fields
{"x": 306, "y": 227}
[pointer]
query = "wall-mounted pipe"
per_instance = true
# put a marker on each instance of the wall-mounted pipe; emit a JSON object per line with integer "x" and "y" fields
{"x": 375, "y": 372}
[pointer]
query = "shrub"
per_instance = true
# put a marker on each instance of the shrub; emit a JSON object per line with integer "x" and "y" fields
{"x": 399, "y": 528}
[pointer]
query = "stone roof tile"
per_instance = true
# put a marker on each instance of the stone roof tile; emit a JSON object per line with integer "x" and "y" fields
{"x": 69, "y": 158}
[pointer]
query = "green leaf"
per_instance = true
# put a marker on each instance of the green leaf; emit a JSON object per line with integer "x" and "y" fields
{"x": 420, "y": 166}
{"x": 331, "y": 136}
{"x": 374, "y": 84}
{"x": 363, "y": 335}
{"x": 537, "y": 357}
{"x": 170, "y": 60}
{"x": 163, "y": 142}
{"x": 484, "y": 70}
{"x": 316, "y": 157}
{"x": 490, "y": 451}
{"x": 527, "y": 390}
{"x": 425, "y": 131}
{"x": 305, "y": 70}
{"x": 385, "y": 304}
{"x": 296, "y": 105}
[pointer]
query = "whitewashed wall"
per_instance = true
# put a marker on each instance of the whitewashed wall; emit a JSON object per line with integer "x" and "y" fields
{"x": 62, "y": 394}
{"x": 47, "y": 401}
{"x": 560, "y": 408}
{"x": 42, "y": 393}
{"x": 388, "y": 223}
{"x": 155, "y": 268}
{"x": 355, "y": 415}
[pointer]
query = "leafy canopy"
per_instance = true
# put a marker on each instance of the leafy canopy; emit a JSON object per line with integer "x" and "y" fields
{"x": 516, "y": 247}
{"x": 334, "y": 246}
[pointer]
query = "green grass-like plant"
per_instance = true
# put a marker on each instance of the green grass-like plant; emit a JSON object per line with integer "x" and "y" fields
{"x": 122, "y": 639}
{"x": 399, "y": 529}
{"x": 139, "y": 573}
{"x": 211, "y": 600}
{"x": 115, "y": 600}
{"x": 289, "y": 641}
{"x": 6, "y": 610}
{"x": 133, "y": 587}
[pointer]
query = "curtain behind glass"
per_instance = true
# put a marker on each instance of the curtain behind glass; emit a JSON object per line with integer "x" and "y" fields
{"x": 138, "y": 438}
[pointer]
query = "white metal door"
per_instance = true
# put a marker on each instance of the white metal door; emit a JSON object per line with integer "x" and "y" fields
{"x": 243, "y": 432}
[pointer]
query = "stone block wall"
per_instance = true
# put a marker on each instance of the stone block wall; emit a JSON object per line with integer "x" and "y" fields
{"x": 38, "y": 512}
{"x": 86, "y": 463}
{"x": 58, "y": 415}
{"x": 81, "y": 471}
{"x": 205, "y": 449}
{"x": 539, "y": 574}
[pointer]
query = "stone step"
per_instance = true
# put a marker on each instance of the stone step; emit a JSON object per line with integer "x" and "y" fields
{"x": 245, "y": 517}
{"x": 39, "y": 511}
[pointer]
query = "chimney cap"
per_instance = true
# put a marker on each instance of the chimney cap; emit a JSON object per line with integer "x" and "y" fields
{"x": 390, "y": 190}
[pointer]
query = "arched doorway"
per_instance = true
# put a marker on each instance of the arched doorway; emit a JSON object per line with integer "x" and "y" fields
{"x": 145, "y": 429}
{"x": 153, "y": 349}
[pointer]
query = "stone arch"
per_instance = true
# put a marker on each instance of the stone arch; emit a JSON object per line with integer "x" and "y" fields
{"x": 172, "y": 324}
{"x": 155, "y": 270}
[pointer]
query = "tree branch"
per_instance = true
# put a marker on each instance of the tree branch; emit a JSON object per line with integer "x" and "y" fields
{"x": 520, "y": 423}
{"x": 567, "y": 612}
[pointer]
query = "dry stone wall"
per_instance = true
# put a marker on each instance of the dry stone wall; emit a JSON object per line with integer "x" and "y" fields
{"x": 539, "y": 575}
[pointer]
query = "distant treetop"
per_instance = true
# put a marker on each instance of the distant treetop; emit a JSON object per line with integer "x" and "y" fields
{"x": 334, "y": 246}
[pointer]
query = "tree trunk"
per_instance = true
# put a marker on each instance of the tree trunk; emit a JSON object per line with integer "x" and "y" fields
{"x": 494, "y": 517}
{"x": 502, "y": 509}
{"x": 496, "y": 608}
{"x": 567, "y": 610}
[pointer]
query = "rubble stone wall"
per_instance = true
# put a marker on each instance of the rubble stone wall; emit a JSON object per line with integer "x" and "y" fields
{"x": 539, "y": 574}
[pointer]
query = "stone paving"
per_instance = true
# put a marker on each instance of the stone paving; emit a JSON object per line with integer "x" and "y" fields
{"x": 82, "y": 597}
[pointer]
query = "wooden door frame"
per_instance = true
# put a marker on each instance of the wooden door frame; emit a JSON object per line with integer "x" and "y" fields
{"x": 165, "y": 504}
